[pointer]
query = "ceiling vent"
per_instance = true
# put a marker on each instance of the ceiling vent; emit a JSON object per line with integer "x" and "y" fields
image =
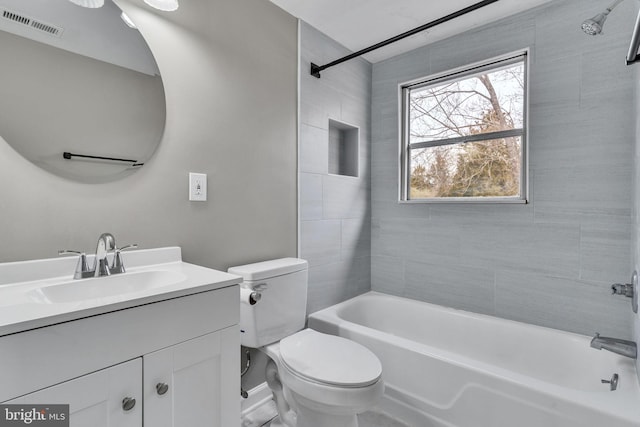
{"x": 35, "y": 24}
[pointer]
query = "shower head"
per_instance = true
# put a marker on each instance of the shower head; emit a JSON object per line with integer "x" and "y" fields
{"x": 593, "y": 26}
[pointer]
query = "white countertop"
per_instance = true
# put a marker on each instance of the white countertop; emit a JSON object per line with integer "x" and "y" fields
{"x": 20, "y": 281}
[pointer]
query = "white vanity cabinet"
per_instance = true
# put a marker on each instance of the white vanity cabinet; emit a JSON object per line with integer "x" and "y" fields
{"x": 177, "y": 358}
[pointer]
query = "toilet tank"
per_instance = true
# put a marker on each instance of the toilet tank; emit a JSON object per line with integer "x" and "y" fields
{"x": 282, "y": 305}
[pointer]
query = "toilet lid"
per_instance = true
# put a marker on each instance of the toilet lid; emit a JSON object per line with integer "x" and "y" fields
{"x": 329, "y": 359}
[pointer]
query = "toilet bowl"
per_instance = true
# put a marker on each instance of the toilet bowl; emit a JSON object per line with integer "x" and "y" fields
{"x": 327, "y": 379}
{"x": 318, "y": 380}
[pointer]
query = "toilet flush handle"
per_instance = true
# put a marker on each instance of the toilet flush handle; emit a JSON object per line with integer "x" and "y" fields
{"x": 249, "y": 296}
{"x": 254, "y": 297}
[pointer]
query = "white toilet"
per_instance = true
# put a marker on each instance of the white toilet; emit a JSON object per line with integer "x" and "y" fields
{"x": 317, "y": 380}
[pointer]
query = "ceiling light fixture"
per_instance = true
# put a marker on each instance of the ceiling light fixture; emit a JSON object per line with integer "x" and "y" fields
{"x": 91, "y": 4}
{"x": 165, "y": 5}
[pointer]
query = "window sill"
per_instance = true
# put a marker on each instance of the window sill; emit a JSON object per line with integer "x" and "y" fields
{"x": 465, "y": 200}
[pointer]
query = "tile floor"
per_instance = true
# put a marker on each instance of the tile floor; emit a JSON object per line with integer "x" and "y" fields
{"x": 261, "y": 417}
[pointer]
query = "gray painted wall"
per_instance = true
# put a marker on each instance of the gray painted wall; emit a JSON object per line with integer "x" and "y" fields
{"x": 335, "y": 210}
{"x": 229, "y": 70}
{"x": 549, "y": 262}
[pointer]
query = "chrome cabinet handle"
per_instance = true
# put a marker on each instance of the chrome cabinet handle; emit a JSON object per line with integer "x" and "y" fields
{"x": 162, "y": 388}
{"x": 128, "y": 403}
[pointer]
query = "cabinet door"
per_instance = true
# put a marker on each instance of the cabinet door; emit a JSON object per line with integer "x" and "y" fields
{"x": 96, "y": 400}
{"x": 195, "y": 383}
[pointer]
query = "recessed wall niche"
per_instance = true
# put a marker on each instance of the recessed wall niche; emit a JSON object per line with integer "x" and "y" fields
{"x": 343, "y": 148}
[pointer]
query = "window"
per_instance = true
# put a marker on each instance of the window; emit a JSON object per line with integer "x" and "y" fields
{"x": 463, "y": 134}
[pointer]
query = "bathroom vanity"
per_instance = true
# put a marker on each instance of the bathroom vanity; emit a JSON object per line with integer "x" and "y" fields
{"x": 156, "y": 346}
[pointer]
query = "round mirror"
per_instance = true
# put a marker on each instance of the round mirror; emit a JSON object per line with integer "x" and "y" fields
{"x": 80, "y": 94}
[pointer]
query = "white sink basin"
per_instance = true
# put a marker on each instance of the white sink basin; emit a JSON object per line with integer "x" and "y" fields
{"x": 42, "y": 292}
{"x": 105, "y": 287}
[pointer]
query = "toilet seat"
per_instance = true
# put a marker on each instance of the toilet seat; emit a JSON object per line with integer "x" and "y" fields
{"x": 329, "y": 360}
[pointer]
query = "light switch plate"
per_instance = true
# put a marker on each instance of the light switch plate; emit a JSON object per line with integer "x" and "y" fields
{"x": 197, "y": 187}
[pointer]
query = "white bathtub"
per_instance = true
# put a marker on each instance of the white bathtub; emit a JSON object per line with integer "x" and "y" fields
{"x": 446, "y": 367}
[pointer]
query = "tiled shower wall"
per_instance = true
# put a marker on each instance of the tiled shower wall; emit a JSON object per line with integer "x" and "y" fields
{"x": 335, "y": 210}
{"x": 549, "y": 262}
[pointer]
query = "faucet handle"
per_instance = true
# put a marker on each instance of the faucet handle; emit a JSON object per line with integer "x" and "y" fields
{"x": 68, "y": 252}
{"x": 613, "y": 382}
{"x": 118, "y": 265}
{"x": 82, "y": 269}
{"x": 622, "y": 289}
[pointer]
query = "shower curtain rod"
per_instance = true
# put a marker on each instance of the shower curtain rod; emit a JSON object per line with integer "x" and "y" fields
{"x": 315, "y": 69}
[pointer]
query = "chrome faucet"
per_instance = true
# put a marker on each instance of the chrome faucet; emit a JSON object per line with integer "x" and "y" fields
{"x": 615, "y": 345}
{"x": 106, "y": 244}
{"x": 101, "y": 267}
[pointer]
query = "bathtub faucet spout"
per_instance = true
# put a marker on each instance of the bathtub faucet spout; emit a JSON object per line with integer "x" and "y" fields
{"x": 615, "y": 345}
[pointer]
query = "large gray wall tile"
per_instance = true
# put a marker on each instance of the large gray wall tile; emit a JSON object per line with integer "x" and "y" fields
{"x": 314, "y": 149}
{"x": 389, "y": 273}
{"x": 311, "y": 197}
{"x": 604, "y": 250}
{"x": 320, "y": 241}
{"x": 573, "y": 305}
{"x": 543, "y": 248}
{"x": 573, "y": 237}
{"x": 338, "y": 281}
{"x": 417, "y": 239}
{"x": 345, "y": 197}
{"x": 335, "y": 211}
{"x": 465, "y": 288}
{"x": 356, "y": 237}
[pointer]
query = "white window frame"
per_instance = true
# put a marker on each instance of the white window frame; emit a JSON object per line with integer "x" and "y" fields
{"x": 458, "y": 74}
